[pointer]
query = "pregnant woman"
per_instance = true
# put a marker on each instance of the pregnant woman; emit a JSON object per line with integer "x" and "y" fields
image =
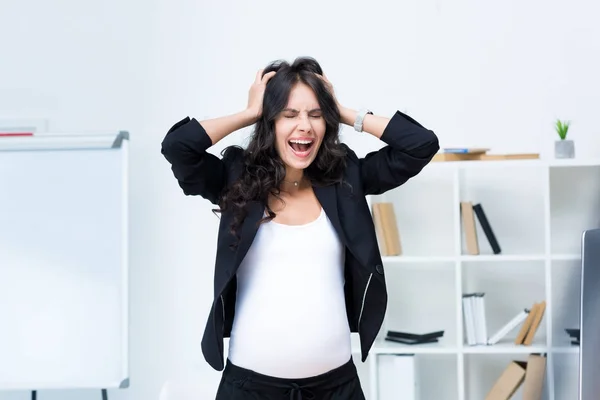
{"x": 298, "y": 267}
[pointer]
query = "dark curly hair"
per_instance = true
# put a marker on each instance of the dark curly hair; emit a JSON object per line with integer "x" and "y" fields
{"x": 264, "y": 171}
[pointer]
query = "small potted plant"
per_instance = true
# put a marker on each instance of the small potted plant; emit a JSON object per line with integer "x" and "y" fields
{"x": 563, "y": 148}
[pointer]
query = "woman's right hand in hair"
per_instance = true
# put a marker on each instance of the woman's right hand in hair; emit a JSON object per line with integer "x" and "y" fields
{"x": 257, "y": 92}
{"x": 218, "y": 128}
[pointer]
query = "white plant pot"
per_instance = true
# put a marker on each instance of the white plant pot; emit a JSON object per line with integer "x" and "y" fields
{"x": 564, "y": 149}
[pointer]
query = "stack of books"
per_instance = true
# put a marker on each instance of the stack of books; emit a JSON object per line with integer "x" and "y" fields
{"x": 413, "y": 338}
{"x": 476, "y": 325}
{"x": 475, "y": 319}
{"x": 574, "y": 335}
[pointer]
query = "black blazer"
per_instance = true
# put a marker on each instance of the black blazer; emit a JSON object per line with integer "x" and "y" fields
{"x": 409, "y": 148}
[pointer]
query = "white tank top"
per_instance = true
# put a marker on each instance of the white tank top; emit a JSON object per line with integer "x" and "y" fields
{"x": 290, "y": 316}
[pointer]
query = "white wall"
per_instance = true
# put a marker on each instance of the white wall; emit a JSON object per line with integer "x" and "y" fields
{"x": 478, "y": 73}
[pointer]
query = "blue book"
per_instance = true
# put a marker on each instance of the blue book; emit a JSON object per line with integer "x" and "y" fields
{"x": 464, "y": 150}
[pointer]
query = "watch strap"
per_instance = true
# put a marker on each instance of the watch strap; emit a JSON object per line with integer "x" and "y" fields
{"x": 360, "y": 116}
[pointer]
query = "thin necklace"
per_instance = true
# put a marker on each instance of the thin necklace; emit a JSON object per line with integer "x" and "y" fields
{"x": 295, "y": 183}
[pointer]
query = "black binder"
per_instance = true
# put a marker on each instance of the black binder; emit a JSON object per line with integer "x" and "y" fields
{"x": 487, "y": 229}
{"x": 415, "y": 336}
{"x": 410, "y": 341}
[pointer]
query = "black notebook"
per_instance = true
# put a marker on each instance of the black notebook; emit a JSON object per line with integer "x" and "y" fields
{"x": 573, "y": 333}
{"x": 487, "y": 229}
{"x": 410, "y": 341}
{"x": 415, "y": 336}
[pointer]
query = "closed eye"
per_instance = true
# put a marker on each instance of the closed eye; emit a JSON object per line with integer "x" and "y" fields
{"x": 311, "y": 116}
{"x": 293, "y": 113}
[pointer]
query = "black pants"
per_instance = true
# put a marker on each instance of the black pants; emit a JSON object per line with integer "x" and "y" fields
{"x": 341, "y": 383}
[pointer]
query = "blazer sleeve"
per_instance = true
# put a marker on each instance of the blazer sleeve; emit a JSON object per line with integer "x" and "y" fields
{"x": 197, "y": 171}
{"x": 409, "y": 148}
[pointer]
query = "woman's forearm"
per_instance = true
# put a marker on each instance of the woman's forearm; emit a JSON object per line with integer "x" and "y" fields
{"x": 218, "y": 128}
{"x": 373, "y": 124}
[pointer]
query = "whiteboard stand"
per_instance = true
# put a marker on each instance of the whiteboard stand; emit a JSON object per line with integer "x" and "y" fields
{"x": 64, "y": 262}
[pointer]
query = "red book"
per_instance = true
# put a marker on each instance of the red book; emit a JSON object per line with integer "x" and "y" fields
{"x": 16, "y": 134}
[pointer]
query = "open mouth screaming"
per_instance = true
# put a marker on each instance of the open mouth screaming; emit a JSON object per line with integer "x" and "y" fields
{"x": 301, "y": 147}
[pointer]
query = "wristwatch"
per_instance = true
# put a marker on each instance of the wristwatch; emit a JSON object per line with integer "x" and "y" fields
{"x": 360, "y": 116}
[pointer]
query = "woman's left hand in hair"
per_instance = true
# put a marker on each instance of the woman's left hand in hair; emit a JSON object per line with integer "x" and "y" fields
{"x": 346, "y": 115}
{"x": 331, "y": 90}
{"x": 375, "y": 125}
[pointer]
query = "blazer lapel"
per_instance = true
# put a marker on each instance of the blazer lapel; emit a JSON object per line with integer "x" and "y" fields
{"x": 327, "y": 196}
{"x": 248, "y": 231}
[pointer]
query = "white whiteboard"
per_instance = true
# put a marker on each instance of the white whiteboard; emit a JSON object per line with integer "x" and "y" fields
{"x": 64, "y": 262}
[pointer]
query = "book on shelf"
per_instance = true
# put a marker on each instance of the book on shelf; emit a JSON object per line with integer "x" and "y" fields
{"x": 397, "y": 376}
{"x": 508, "y": 327}
{"x": 15, "y": 134}
{"x": 465, "y": 150}
{"x": 475, "y": 319}
{"x": 574, "y": 335}
{"x": 529, "y": 374}
{"x": 386, "y": 229}
{"x": 479, "y": 154}
{"x": 410, "y": 335}
{"x": 486, "y": 227}
{"x": 411, "y": 341}
{"x": 531, "y": 324}
{"x": 475, "y": 322}
{"x": 509, "y": 156}
{"x": 469, "y": 212}
{"x": 468, "y": 223}
{"x": 413, "y": 338}
{"x": 15, "y": 130}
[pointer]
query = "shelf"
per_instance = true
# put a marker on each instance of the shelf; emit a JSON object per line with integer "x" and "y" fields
{"x": 566, "y": 349}
{"x": 504, "y": 257}
{"x": 465, "y": 164}
{"x": 540, "y": 163}
{"x": 478, "y": 258}
{"x": 509, "y": 348}
{"x": 418, "y": 259}
{"x": 386, "y": 347}
{"x": 565, "y": 257}
{"x": 505, "y": 348}
{"x": 538, "y": 222}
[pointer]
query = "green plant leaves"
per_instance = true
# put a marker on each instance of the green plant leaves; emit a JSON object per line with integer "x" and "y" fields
{"x": 562, "y": 127}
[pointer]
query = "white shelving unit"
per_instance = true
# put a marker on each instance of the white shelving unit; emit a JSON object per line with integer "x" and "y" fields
{"x": 538, "y": 210}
